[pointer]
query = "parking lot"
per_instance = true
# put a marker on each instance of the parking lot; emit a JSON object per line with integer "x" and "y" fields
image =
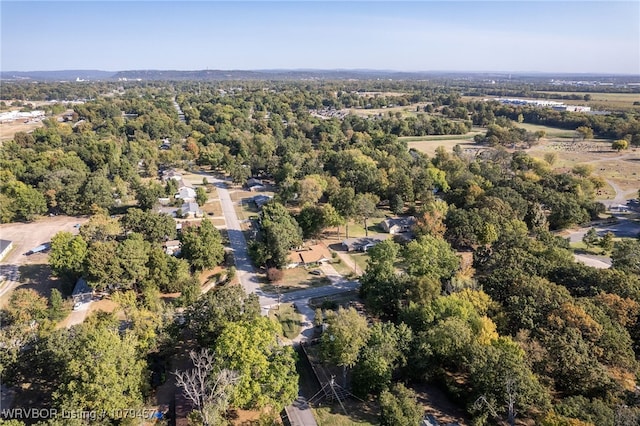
{"x": 25, "y": 237}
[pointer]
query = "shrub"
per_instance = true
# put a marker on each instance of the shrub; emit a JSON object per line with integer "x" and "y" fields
{"x": 274, "y": 275}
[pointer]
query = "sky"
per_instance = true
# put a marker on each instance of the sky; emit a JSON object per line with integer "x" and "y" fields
{"x": 501, "y": 36}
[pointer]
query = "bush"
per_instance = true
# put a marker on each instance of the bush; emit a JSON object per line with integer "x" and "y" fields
{"x": 329, "y": 305}
{"x": 274, "y": 275}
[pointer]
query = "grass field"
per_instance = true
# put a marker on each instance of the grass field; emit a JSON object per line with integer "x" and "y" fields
{"x": 551, "y": 132}
{"x": 333, "y": 416}
{"x": 296, "y": 279}
{"x": 288, "y": 318}
{"x": 603, "y": 100}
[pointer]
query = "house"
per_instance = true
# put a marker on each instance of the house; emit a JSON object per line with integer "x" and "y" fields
{"x": 5, "y": 248}
{"x": 359, "y": 244}
{"x": 82, "y": 293}
{"x": 191, "y": 209}
{"x": 186, "y": 194}
{"x": 261, "y": 200}
{"x": 187, "y": 210}
{"x": 255, "y": 185}
{"x": 310, "y": 255}
{"x": 397, "y": 225}
{"x": 171, "y": 174}
{"x": 171, "y": 247}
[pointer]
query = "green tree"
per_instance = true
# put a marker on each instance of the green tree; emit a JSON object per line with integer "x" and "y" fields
{"x": 590, "y": 238}
{"x": 202, "y": 245}
{"x": 311, "y": 220}
{"x": 267, "y": 369}
{"x": 366, "y": 207}
{"x": 201, "y": 196}
{"x": 626, "y": 256}
{"x": 155, "y": 227}
{"x": 101, "y": 369}
{"x": 346, "y": 334}
{"x": 133, "y": 254}
{"x": 67, "y": 254}
{"x": 57, "y": 309}
{"x": 384, "y": 352}
{"x": 620, "y": 144}
{"x": 147, "y": 195}
{"x": 382, "y": 289}
{"x": 584, "y": 132}
{"x": 100, "y": 227}
{"x": 102, "y": 268}
{"x": 97, "y": 191}
{"x": 606, "y": 242}
{"x": 399, "y": 407}
{"x": 430, "y": 256}
{"x": 344, "y": 202}
{"x": 208, "y": 316}
{"x": 280, "y": 233}
{"x": 26, "y": 202}
{"x": 26, "y": 305}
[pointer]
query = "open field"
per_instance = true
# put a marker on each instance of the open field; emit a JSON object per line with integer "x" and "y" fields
{"x": 602, "y": 100}
{"x": 620, "y": 170}
{"x": 7, "y": 130}
{"x": 599, "y": 100}
{"x": 26, "y": 236}
{"x": 288, "y": 318}
{"x": 407, "y": 110}
{"x": 296, "y": 279}
{"x": 551, "y": 132}
{"x": 430, "y": 147}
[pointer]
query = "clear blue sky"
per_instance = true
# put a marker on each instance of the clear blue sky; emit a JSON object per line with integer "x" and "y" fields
{"x": 545, "y": 36}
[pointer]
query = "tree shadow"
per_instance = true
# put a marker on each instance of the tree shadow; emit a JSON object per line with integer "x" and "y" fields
{"x": 38, "y": 277}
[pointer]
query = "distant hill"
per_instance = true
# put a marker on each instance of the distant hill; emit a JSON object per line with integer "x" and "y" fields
{"x": 299, "y": 74}
{"x": 65, "y": 75}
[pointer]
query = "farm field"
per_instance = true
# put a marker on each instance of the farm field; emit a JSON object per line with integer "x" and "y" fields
{"x": 606, "y": 100}
{"x": 620, "y": 170}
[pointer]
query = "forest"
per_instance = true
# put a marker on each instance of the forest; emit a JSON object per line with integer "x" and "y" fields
{"x": 517, "y": 332}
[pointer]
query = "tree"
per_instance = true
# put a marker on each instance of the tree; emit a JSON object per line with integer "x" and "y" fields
{"x": 346, "y": 334}
{"x": 344, "y": 203}
{"x": 584, "y": 132}
{"x": 201, "y": 196}
{"x": 626, "y": 256}
{"x": 208, "y": 316}
{"x": 606, "y": 242}
{"x": 280, "y": 233}
{"x": 57, "y": 309}
{"x": 133, "y": 254}
{"x": 207, "y": 386}
{"x": 384, "y": 352}
{"x": 97, "y": 191}
{"x": 202, "y": 245}
{"x": 102, "y": 268}
{"x": 399, "y": 407}
{"x": 430, "y": 256}
{"x": 366, "y": 207}
{"x": 267, "y": 370}
{"x": 147, "y": 195}
{"x": 331, "y": 217}
{"x": 26, "y": 202}
{"x": 67, "y": 255}
{"x": 100, "y": 368}
{"x": 382, "y": 289}
{"x": 590, "y": 238}
{"x": 620, "y": 144}
{"x": 311, "y": 220}
{"x": 309, "y": 190}
{"x": 154, "y": 226}
{"x": 100, "y": 227}
{"x": 26, "y": 305}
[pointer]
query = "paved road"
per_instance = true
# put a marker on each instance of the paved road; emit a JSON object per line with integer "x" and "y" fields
{"x": 600, "y": 262}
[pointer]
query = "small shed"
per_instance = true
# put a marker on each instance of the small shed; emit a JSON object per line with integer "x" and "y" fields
{"x": 5, "y": 248}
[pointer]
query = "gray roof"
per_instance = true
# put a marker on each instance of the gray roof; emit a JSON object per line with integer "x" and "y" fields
{"x": 4, "y": 244}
